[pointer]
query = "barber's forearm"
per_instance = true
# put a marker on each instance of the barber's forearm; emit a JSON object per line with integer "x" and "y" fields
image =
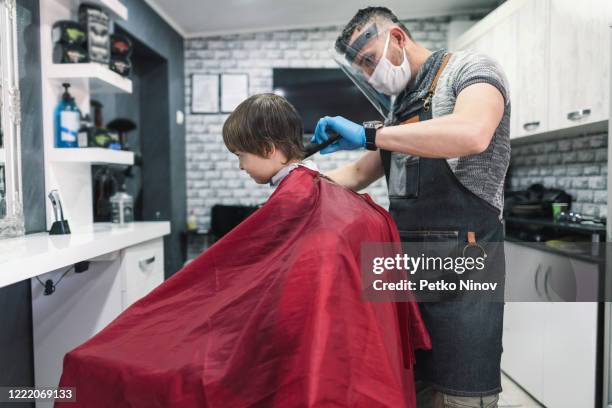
{"x": 359, "y": 174}
{"x": 344, "y": 175}
{"x": 444, "y": 137}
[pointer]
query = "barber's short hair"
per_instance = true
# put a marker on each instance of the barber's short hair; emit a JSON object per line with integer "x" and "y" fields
{"x": 363, "y": 18}
{"x": 262, "y": 121}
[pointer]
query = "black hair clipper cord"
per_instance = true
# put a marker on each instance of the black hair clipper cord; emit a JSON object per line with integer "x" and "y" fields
{"x": 121, "y": 49}
{"x": 69, "y": 38}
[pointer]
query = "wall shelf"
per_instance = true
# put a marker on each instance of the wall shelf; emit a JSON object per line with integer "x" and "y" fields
{"x": 101, "y": 78}
{"x": 91, "y": 155}
{"x": 68, "y": 169}
{"x": 115, "y": 8}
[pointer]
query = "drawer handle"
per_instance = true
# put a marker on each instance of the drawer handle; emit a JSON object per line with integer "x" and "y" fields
{"x": 579, "y": 114}
{"x": 537, "y": 280}
{"x": 546, "y": 275}
{"x": 144, "y": 263}
{"x": 531, "y": 126}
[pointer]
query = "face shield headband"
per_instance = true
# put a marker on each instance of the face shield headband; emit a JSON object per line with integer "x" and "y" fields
{"x": 365, "y": 37}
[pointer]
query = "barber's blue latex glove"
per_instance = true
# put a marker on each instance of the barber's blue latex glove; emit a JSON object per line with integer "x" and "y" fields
{"x": 352, "y": 134}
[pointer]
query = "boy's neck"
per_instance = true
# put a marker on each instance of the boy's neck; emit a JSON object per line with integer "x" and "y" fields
{"x": 283, "y": 171}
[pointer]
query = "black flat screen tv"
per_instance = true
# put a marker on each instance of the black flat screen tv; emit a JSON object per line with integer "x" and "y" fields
{"x": 318, "y": 92}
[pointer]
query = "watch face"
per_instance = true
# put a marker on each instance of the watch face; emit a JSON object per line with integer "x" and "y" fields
{"x": 372, "y": 124}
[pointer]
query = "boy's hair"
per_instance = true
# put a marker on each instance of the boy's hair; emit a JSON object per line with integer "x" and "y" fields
{"x": 262, "y": 121}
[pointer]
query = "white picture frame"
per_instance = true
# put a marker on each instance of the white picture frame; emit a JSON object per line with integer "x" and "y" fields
{"x": 204, "y": 93}
{"x": 234, "y": 89}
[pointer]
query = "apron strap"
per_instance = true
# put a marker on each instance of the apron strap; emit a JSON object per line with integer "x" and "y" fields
{"x": 434, "y": 83}
{"x": 431, "y": 90}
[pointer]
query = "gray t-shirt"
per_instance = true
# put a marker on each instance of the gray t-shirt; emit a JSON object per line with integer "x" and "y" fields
{"x": 482, "y": 173}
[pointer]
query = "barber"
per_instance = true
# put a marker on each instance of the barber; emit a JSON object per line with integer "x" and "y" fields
{"x": 444, "y": 150}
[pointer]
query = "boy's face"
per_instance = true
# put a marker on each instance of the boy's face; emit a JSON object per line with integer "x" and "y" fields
{"x": 261, "y": 169}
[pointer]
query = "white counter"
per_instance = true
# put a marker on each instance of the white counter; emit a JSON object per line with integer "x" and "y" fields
{"x": 35, "y": 254}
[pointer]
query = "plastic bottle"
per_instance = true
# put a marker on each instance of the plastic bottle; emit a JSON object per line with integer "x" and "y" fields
{"x": 122, "y": 207}
{"x": 67, "y": 121}
{"x": 192, "y": 221}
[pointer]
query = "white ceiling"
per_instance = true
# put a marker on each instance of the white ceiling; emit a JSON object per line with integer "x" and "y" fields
{"x": 195, "y": 18}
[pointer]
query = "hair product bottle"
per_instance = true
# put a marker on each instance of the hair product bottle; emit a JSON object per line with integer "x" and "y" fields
{"x": 67, "y": 121}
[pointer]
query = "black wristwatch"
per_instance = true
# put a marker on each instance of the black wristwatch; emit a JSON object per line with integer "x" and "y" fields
{"x": 370, "y": 133}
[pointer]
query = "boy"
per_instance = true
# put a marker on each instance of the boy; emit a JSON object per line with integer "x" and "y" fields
{"x": 271, "y": 315}
{"x": 265, "y": 132}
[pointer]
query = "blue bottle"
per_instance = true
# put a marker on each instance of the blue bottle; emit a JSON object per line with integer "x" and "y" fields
{"x": 67, "y": 121}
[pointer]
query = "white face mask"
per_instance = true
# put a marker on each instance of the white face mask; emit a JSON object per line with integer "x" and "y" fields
{"x": 388, "y": 78}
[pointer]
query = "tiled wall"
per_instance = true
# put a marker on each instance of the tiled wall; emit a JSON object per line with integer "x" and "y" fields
{"x": 577, "y": 165}
{"x": 212, "y": 172}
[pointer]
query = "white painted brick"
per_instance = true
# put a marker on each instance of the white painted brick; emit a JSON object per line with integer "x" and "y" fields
{"x": 216, "y": 45}
{"x": 273, "y": 54}
{"x": 280, "y": 35}
{"x": 271, "y": 45}
{"x": 292, "y": 54}
{"x": 297, "y": 35}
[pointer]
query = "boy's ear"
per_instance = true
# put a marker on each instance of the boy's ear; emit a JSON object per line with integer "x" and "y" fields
{"x": 271, "y": 151}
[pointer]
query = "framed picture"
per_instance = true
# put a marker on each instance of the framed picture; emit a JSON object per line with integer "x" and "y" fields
{"x": 234, "y": 89}
{"x": 204, "y": 93}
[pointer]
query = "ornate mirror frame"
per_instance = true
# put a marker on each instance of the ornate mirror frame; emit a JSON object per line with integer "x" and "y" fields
{"x": 13, "y": 223}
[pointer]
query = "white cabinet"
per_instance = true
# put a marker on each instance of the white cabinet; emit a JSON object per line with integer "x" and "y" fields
{"x": 579, "y": 62}
{"x": 500, "y": 44}
{"x": 523, "y": 345}
{"x": 530, "y": 96}
{"x": 143, "y": 267}
{"x": 523, "y": 335}
{"x": 82, "y": 305}
{"x": 556, "y": 56}
{"x": 550, "y": 348}
{"x": 85, "y": 303}
{"x": 569, "y": 355}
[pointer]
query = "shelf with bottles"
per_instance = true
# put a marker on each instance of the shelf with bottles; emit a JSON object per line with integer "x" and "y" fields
{"x": 79, "y": 139}
{"x": 85, "y": 47}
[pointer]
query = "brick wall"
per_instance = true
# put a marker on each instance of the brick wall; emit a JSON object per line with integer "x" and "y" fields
{"x": 577, "y": 165}
{"x": 213, "y": 176}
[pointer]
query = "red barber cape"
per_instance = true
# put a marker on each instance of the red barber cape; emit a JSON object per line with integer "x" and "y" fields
{"x": 270, "y": 316}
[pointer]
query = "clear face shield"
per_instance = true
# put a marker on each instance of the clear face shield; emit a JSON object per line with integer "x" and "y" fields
{"x": 359, "y": 59}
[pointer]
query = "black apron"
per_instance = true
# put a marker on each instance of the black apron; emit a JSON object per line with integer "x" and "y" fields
{"x": 429, "y": 204}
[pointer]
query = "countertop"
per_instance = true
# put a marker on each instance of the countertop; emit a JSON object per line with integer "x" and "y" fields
{"x": 520, "y": 230}
{"x": 560, "y": 226}
{"x": 35, "y": 254}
